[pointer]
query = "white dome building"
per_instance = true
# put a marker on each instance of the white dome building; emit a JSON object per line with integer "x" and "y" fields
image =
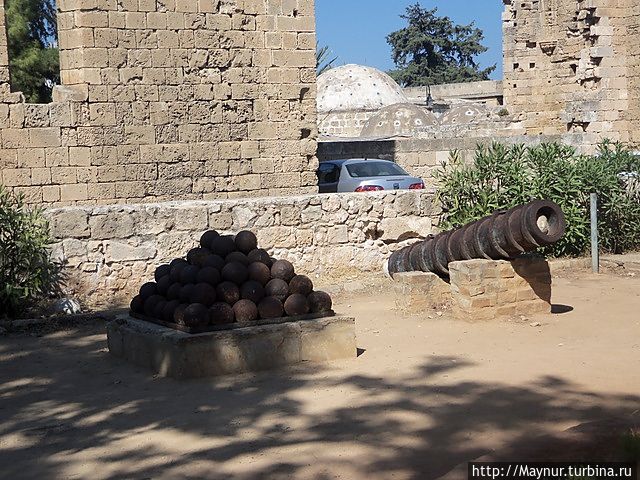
{"x": 349, "y": 95}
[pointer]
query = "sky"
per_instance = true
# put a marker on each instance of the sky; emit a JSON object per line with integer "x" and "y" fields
{"x": 356, "y": 30}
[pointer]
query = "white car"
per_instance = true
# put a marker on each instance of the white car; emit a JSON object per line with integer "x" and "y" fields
{"x": 365, "y": 175}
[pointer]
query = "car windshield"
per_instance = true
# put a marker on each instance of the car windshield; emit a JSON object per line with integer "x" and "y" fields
{"x": 374, "y": 169}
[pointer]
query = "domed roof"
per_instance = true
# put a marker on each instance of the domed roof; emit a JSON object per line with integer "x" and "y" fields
{"x": 355, "y": 87}
{"x": 464, "y": 114}
{"x": 398, "y": 119}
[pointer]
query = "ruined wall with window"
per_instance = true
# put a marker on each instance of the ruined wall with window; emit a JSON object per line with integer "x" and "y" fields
{"x": 571, "y": 66}
{"x": 168, "y": 100}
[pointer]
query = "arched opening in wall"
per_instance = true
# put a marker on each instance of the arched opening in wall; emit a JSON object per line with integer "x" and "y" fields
{"x": 32, "y": 42}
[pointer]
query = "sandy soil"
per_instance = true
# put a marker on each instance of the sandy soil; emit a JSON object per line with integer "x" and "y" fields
{"x": 426, "y": 394}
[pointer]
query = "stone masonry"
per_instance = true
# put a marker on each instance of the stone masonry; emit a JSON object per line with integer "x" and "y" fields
{"x": 168, "y": 100}
{"x": 109, "y": 251}
{"x": 479, "y": 289}
{"x": 485, "y": 289}
{"x": 572, "y": 66}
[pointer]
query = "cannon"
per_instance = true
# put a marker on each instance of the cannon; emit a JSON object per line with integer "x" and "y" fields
{"x": 501, "y": 236}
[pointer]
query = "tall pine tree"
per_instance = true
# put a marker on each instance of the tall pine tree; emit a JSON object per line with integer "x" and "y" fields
{"x": 33, "y": 53}
{"x": 433, "y": 50}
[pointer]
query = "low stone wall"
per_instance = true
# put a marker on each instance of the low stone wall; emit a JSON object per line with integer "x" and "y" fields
{"x": 110, "y": 251}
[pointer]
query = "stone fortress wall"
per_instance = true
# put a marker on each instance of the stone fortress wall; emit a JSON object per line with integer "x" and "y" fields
{"x": 167, "y": 100}
{"x": 571, "y": 66}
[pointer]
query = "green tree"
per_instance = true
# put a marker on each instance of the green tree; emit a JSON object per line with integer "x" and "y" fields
{"x": 323, "y": 63}
{"x": 33, "y": 54}
{"x": 432, "y": 50}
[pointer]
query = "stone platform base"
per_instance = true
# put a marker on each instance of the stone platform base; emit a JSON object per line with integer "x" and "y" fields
{"x": 480, "y": 289}
{"x": 181, "y": 355}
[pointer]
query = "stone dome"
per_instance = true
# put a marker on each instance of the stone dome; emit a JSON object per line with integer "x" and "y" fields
{"x": 355, "y": 87}
{"x": 464, "y": 114}
{"x": 398, "y": 119}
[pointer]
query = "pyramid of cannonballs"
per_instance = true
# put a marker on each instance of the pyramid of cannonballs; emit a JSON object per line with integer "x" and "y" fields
{"x": 227, "y": 279}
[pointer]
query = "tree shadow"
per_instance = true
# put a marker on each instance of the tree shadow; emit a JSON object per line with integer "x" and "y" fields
{"x": 69, "y": 409}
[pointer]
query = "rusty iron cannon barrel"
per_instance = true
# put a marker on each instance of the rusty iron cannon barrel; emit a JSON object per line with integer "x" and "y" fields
{"x": 501, "y": 236}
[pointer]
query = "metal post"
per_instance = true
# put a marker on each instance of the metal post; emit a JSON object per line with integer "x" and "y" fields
{"x": 595, "y": 251}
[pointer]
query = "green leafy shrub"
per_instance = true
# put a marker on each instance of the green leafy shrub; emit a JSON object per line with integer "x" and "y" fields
{"x": 27, "y": 273}
{"x": 501, "y": 177}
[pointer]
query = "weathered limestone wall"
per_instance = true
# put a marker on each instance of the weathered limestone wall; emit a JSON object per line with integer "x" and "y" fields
{"x": 343, "y": 124}
{"x": 111, "y": 250}
{"x": 168, "y": 99}
{"x": 569, "y": 66}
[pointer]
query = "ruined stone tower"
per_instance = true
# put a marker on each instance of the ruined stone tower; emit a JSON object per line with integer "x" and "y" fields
{"x": 573, "y": 66}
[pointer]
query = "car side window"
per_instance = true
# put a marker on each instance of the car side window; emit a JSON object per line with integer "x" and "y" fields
{"x": 328, "y": 173}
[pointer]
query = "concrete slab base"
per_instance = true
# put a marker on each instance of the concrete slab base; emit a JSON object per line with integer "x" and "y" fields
{"x": 181, "y": 355}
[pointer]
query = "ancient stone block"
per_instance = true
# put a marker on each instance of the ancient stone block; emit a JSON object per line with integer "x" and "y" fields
{"x": 179, "y": 355}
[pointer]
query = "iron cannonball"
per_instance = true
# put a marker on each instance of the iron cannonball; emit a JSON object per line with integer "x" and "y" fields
{"x": 207, "y": 238}
{"x": 204, "y": 294}
{"x": 246, "y": 241}
{"x": 189, "y": 274}
{"x": 196, "y": 315}
{"x": 235, "y": 272}
{"x": 150, "y": 304}
{"x": 319, "y": 302}
{"x": 209, "y": 275}
{"x": 223, "y": 245}
{"x": 162, "y": 271}
{"x": 260, "y": 255}
{"x": 186, "y": 292}
{"x": 157, "y": 312}
{"x": 283, "y": 269}
{"x": 259, "y": 272}
{"x": 173, "y": 293}
{"x": 163, "y": 285}
{"x": 215, "y": 261}
{"x": 296, "y": 305}
{"x": 301, "y": 284}
{"x": 277, "y": 288}
{"x": 170, "y": 310}
{"x": 137, "y": 305}
{"x": 237, "y": 257}
{"x": 270, "y": 307}
{"x": 245, "y": 311}
{"x": 178, "y": 314}
{"x": 252, "y": 290}
{"x": 197, "y": 256}
{"x": 148, "y": 289}
{"x": 221, "y": 314}
{"x": 178, "y": 261}
{"x": 176, "y": 271}
{"x": 228, "y": 292}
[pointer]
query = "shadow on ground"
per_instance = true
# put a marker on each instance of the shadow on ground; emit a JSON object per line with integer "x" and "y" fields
{"x": 65, "y": 401}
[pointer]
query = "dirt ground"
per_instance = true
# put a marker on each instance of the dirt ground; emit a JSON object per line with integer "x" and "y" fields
{"x": 426, "y": 394}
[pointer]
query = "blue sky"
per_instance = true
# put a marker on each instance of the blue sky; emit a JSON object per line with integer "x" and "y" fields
{"x": 356, "y": 30}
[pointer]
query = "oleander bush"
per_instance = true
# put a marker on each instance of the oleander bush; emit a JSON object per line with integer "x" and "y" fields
{"x": 501, "y": 177}
{"x": 27, "y": 273}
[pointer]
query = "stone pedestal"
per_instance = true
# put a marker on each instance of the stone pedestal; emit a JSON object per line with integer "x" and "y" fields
{"x": 181, "y": 355}
{"x": 485, "y": 289}
{"x": 417, "y": 292}
{"x": 479, "y": 289}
